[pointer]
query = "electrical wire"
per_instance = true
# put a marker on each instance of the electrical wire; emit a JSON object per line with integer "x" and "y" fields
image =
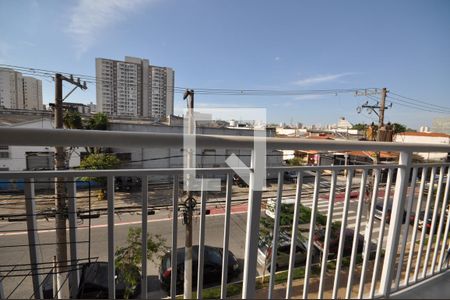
{"x": 420, "y": 101}
{"x": 409, "y": 104}
{"x": 205, "y": 91}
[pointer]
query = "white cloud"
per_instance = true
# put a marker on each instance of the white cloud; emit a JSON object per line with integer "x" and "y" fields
{"x": 89, "y": 18}
{"x": 321, "y": 78}
{"x": 308, "y": 97}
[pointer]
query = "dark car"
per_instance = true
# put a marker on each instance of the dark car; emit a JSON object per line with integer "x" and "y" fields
{"x": 319, "y": 237}
{"x": 379, "y": 212}
{"x": 127, "y": 183}
{"x": 94, "y": 282}
{"x": 427, "y": 225}
{"x": 290, "y": 176}
{"x": 212, "y": 268}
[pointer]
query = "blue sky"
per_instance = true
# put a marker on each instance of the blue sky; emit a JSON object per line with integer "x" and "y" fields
{"x": 295, "y": 45}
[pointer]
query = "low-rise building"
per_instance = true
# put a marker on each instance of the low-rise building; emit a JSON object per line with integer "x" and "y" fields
{"x": 18, "y": 158}
{"x": 425, "y": 138}
{"x": 164, "y": 157}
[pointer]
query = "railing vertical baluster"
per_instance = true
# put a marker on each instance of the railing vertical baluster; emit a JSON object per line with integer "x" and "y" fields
{"x": 298, "y": 194}
{"x": 311, "y": 235}
{"x": 326, "y": 243}
{"x": 276, "y": 234}
{"x": 226, "y": 237}
{"x": 441, "y": 224}
{"x": 2, "y": 291}
{"x": 201, "y": 241}
{"x": 72, "y": 211}
{"x": 424, "y": 224}
{"x": 144, "y": 231}
{"x": 30, "y": 208}
{"x": 447, "y": 225}
{"x": 415, "y": 226}
{"x": 348, "y": 190}
{"x": 359, "y": 210}
{"x": 111, "y": 262}
{"x": 406, "y": 227}
{"x": 387, "y": 192}
{"x": 173, "y": 258}
{"x": 368, "y": 234}
{"x": 252, "y": 233}
{"x": 398, "y": 204}
{"x": 433, "y": 222}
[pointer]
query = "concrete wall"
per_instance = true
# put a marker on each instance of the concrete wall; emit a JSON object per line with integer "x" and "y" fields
{"x": 173, "y": 158}
{"x": 400, "y": 138}
{"x": 17, "y": 154}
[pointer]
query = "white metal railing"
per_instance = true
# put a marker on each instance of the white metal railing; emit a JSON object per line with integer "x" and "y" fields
{"x": 396, "y": 242}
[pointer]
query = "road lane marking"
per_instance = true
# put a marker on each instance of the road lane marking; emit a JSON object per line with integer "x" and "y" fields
{"x": 106, "y": 225}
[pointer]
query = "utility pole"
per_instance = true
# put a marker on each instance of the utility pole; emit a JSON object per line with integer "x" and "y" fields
{"x": 60, "y": 201}
{"x": 190, "y": 202}
{"x": 382, "y": 106}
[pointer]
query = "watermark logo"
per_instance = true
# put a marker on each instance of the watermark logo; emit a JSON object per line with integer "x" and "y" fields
{"x": 223, "y": 122}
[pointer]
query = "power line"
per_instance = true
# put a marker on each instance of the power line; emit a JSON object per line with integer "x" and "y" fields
{"x": 204, "y": 91}
{"x": 413, "y": 105}
{"x": 417, "y": 106}
{"x": 420, "y": 101}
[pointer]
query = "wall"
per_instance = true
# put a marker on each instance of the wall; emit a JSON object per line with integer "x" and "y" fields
{"x": 17, "y": 154}
{"x": 400, "y": 138}
{"x": 172, "y": 158}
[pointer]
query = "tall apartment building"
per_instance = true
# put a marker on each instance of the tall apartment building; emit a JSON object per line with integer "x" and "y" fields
{"x": 134, "y": 88}
{"x": 19, "y": 92}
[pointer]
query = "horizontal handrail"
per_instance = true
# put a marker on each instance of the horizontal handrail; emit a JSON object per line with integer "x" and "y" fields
{"x": 94, "y": 138}
{"x": 178, "y": 171}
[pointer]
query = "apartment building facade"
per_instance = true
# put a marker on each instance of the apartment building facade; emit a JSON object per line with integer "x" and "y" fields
{"x": 18, "y": 91}
{"x": 134, "y": 88}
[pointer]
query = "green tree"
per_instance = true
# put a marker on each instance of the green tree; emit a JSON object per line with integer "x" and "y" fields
{"x": 129, "y": 257}
{"x": 296, "y": 161}
{"x": 99, "y": 121}
{"x": 360, "y": 126}
{"x": 99, "y": 161}
{"x": 72, "y": 120}
{"x": 398, "y": 128}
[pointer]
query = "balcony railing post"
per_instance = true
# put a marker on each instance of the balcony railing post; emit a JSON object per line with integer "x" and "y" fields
{"x": 111, "y": 262}
{"x": 252, "y": 234}
{"x": 398, "y": 204}
{"x": 30, "y": 208}
{"x": 72, "y": 210}
{"x": 144, "y": 232}
{"x": 2, "y": 292}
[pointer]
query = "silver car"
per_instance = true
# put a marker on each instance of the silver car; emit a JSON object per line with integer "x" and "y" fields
{"x": 283, "y": 252}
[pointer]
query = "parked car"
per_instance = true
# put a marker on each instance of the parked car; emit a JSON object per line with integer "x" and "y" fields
{"x": 212, "y": 273}
{"x": 420, "y": 223}
{"x": 290, "y": 176}
{"x": 127, "y": 183}
{"x": 94, "y": 282}
{"x": 283, "y": 251}
{"x": 379, "y": 212}
{"x": 319, "y": 237}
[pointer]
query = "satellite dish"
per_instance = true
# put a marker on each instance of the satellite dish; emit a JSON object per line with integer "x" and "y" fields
{"x": 358, "y": 109}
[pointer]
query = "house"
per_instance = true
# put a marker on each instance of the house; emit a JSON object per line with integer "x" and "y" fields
{"x": 425, "y": 138}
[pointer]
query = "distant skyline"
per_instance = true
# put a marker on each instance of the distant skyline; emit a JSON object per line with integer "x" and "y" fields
{"x": 289, "y": 45}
